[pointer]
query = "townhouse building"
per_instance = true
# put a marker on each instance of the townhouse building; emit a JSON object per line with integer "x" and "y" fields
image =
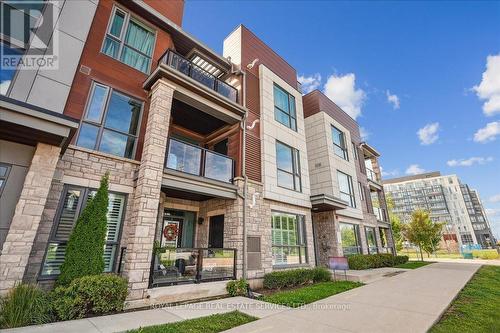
{"x": 207, "y": 156}
{"x": 448, "y": 200}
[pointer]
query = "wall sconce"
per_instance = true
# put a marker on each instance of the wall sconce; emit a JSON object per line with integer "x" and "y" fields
{"x": 200, "y": 220}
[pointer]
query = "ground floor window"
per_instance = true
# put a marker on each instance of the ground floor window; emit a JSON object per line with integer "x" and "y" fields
{"x": 349, "y": 234}
{"x": 72, "y": 202}
{"x": 467, "y": 239}
{"x": 371, "y": 240}
{"x": 288, "y": 239}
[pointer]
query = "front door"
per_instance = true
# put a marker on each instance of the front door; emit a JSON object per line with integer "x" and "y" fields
{"x": 216, "y": 232}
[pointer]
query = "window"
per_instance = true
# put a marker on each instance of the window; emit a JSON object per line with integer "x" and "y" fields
{"x": 371, "y": 240}
{"x": 346, "y": 188}
{"x": 355, "y": 150}
{"x": 467, "y": 239}
{"x": 361, "y": 191}
{"x": 72, "y": 202}
{"x": 284, "y": 108}
{"x": 111, "y": 122}
{"x": 339, "y": 144}
{"x": 4, "y": 174}
{"x": 349, "y": 238}
{"x": 288, "y": 239}
{"x": 288, "y": 164}
{"x": 129, "y": 41}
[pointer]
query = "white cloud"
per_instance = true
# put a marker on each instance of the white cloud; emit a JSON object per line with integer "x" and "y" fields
{"x": 414, "y": 169}
{"x": 391, "y": 173}
{"x": 492, "y": 211}
{"x": 309, "y": 83}
{"x": 488, "y": 133}
{"x": 489, "y": 88}
{"x": 469, "y": 162}
{"x": 428, "y": 134}
{"x": 364, "y": 133}
{"x": 4, "y": 86}
{"x": 495, "y": 198}
{"x": 392, "y": 99}
{"x": 342, "y": 90}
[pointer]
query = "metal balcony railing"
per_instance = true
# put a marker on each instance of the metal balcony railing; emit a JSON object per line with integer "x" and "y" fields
{"x": 192, "y": 265}
{"x": 194, "y": 160}
{"x": 188, "y": 68}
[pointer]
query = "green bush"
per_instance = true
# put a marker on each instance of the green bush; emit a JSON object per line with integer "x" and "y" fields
{"x": 237, "y": 287}
{"x": 24, "y": 305}
{"x": 85, "y": 249}
{"x": 367, "y": 261}
{"x": 321, "y": 274}
{"x": 89, "y": 295}
{"x": 485, "y": 254}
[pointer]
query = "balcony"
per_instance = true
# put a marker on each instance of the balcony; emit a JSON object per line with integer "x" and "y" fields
{"x": 371, "y": 175}
{"x": 192, "y": 265}
{"x": 380, "y": 214}
{"x": 188, "y": 68}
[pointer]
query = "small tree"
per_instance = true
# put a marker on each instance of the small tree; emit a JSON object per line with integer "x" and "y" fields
{"x": 85, "y": 249}
{"x": 422, "y": 232}
{"x": 395, "y": 224}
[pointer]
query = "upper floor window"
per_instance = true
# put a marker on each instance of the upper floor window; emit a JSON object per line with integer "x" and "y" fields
{"x": 284, "y": 108}
{"x": 4, "y": 174}
{"x": 339, "y": 143}
{"x": 129, "y": 41}
{"x": 355, "y": 150}
{"x": 346, "y": 188}
{"x": 111, "y": 122}
{"x": 288, "y": 164}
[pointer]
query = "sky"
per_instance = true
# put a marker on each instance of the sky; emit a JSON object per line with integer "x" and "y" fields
{"x": 421, "y": 78}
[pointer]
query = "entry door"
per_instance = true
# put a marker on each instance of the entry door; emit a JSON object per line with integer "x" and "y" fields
{"x": 216, "y": 232}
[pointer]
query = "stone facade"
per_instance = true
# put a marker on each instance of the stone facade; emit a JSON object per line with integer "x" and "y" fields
{"x": 28, "y": 214}
{"x": 327, "y": 231}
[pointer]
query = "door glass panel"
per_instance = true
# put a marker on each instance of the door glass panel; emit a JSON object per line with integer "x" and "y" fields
{"x": 68, "y": 215}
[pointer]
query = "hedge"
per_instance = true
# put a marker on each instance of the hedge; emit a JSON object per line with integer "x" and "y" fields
{"x": 295, "y": 277}
{"x": 367, "y": 261}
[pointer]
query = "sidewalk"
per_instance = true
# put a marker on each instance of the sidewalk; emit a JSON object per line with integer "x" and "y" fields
{"x": 132, "y": 320}
{"x": 408, "y": 302}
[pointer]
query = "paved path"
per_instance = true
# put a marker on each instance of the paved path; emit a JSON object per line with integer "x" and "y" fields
{"x": 131, "y": 320}
{"x": 408, "y": 302}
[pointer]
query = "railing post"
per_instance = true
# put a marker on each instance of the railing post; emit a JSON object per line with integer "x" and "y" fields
{"x": 234, "y": 264}
{"x": 199, "y": 265}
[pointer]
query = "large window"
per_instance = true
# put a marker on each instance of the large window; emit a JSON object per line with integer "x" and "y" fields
{"x": 4, "y": 174}
{"x": 111, "y": 122}
{"x": 346, "y": 188}
{"x": 129, "y": 41}
{"x": 371, "y": 240}
{"x": 288, "y": 239}
{"x": 73, "y": 200}
{"x": 287, "y": 162}
{"x": 349, "y": 234}
{"x": 339, "y": 143}
{"x": 284, "y": 108}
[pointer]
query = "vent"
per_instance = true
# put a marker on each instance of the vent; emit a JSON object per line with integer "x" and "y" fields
{"x": 254, "y": 258}
{"x": 85, "y": 70}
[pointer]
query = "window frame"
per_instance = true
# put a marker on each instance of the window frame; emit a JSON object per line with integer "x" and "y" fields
{"x": 301, "y": 237}
{"x": 361, "y": 191}
{"x": 351, "y": 188}
{"x": 6, "y": 177}
{"x": 343, "y": 141}
{"x": 357, "y": 236}
{"x": 85, "y": 191}
{"x": 296, "y": 172}
{"x": 128, "y": 16}
{"x": 290, "y": 117}
{"x": 367, "y": 228}
{"x": 104, "y": 112}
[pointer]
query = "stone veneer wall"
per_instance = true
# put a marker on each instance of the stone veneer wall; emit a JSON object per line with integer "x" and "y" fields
{"x": 80, "y": 167}
{"x": 327, "y": 242}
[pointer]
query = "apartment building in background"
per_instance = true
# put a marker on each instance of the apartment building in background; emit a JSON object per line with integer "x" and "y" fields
{"x": 447, "y": 200}
{"x": 208, "y": 158}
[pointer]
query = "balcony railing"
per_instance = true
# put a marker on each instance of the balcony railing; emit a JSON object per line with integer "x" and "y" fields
{"x": 380, "y": 213}
{"x": 191, "y": 159}
{"x": 347, "y": 250}
{"x": 186, "y": 67}
{"x": 371, "y": 175}
{"x": 193, "y": 265}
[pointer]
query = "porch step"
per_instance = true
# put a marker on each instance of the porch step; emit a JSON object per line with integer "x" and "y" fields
{"x": 368, "y": 276}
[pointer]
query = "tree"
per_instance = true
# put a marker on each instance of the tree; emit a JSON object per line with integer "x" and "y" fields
{"x": 422, "y": 232}
{"x": 395, "y": 224}
{"x": 85, "y": 249}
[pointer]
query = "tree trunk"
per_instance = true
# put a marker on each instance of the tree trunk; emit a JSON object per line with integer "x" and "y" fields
{"x": 421, "y": 254}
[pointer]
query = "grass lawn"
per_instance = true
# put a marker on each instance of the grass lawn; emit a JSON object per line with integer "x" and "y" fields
{"x": 412, "y": 254}
{"x": 211, "y": 324}
{"x": 311, "y": 293}
{"x": 477, "y": 307}
{"x": 414, "y": 264}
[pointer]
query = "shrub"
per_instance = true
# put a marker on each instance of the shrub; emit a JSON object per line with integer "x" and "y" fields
{"x": 85, "y": 249}
{"x": 237, "y": 287}
{"x": 367, "y": 261}
{"x": 399, "y": 260}
{"x": 321, "y": 274}
{"x": 24, "y": 305}
{"x": 485, "y": 254}
{"x": 294, "y": 277}
{"x": 359, "y": 261}
{"x": 89, "y": 295}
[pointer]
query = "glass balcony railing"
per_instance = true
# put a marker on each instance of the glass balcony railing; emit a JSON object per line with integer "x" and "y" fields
{"x": 194, "y": 160}
{"x": 198, "y": 74}
{"x": 371, "y": 175}
{"x": 380, "y": 213}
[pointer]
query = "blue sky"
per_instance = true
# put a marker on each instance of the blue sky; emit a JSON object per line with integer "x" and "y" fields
{"x": 398, "y": 67}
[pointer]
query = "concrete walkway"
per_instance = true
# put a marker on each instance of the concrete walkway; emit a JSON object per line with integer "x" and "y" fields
{"x": 408, "y": 302}
{"x": 132, "y": 320}
{"x": 492, "y": 262}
